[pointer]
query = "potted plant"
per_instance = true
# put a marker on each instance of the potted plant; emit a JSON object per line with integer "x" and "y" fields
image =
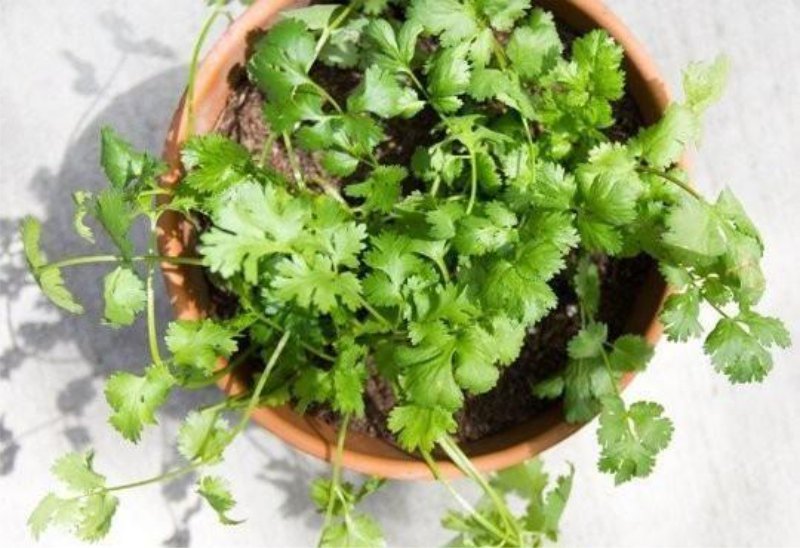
{"x": 418, "y": 239}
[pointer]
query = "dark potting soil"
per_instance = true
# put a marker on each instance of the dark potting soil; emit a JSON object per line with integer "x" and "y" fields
{"x": 511, "y": 402}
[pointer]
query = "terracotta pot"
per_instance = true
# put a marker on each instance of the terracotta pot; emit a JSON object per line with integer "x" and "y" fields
{"x": 189, "y": 292}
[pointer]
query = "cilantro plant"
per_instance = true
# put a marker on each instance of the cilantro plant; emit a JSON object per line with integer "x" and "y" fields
{"x": 428, "y": 273}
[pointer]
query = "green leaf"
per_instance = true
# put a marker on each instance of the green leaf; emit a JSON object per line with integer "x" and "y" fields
{"x": 382, "y": 190}
{"x": 597, "y": 54}
{"x": 587, "y": 287}
{"x": 349, "y": 377}
{"x": 53, "y": 510}
{"x": 316, "y": 283}
{"x": 116, "y": 216}
{"x": 214, "y": 163}
{"x": 488, "y": 229}
{"x": 339, "y": 164}
{"x": 704, "y": 83}
{"x": 630, "y": 353}
{"x": 216, "y": 492}
{"x": 695, "y": 226}
{"x": 76, "y": 471}
{"x": 449, "y": 77}
{"x": 122, "y": 164}
{"x": 281, "y": 61}
{"x": 589, "y": 341}
{"x": 251, "y": 224}
{"x": 83, "y": 201}
{"x": 453, "y": 21}
{"x": 135, "y": 399}
{"x": 203, "y": 437}
{"x": 313, "y": 17}
{"x": 739, "y": 347}
{"x": 97, "y": 511}
{"x": 503, "y": 14}
{"x": 357, "y": 531}
{"x": 631, "y": 438}
{"x": 381, "y": 94}
{"x": 49, "y": 280}
{"x": 680, "y": 316}
{"x": 663, "y": 143}
{"x": 535, "y": 46}
{"x": 419, "y": 428}
{"x": 198, "y": 345}
{"x": 124, "y": 295}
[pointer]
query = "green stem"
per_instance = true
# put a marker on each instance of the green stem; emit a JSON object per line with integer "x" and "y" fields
{"x": 465, "y": 465}
{"x": 152, "y": 328}
{"x": 232, "y": 365}
{"x": 473, "y": 191}
{"x": 328, "y": 30}
{"x": 193, "y": 66}
{"x": 275, "y": 325}
{"x": 267, "y": 150}
{"x": 262, "y": 381}
{"x": 157, "y": 479}
{"x": 336, "y": 476}
{"x": 296, "y": 171}
{"x": 673, "y": 180}
{"x": 437, "y": 474}
{"x": 374, "y": 312}
{"x": 100, "y": 259}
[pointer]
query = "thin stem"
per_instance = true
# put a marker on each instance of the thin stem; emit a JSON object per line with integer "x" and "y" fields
{"x": 232, "y": 364}
{"x": 327, "y": 96}
{"x": 100, "y": 259}
{"x": 465, "y": 465}
{"x": 152, "y": 328}
{"x": 198, "y": 46}
{"x": 296, "y": 171}
{"x": 336, "y": 476}
{"x": 267, "y": 150}
{"x": 157, "y": 479}
{"x": 461, "y": 500}
{"x": 673, "y": 180}
{"x": 262, "y": 381}
{"x": 331, "y": 191}
{"x": 372, "y": 311}
{"x": 473, "y": 192}
{"x": 326, "y": 32}
{"x": 275, "y": 325}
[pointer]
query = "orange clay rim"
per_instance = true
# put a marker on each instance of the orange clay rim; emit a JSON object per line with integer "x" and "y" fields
{"x": 188, "y": 289}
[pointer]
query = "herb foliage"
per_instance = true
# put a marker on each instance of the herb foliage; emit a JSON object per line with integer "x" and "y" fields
{"x": 436, "y": 270}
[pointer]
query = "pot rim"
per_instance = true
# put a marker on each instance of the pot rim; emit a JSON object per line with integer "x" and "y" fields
{"x": 187, "y": 287}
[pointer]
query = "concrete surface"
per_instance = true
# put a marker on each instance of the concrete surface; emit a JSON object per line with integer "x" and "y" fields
{"x": 730, "y": 478}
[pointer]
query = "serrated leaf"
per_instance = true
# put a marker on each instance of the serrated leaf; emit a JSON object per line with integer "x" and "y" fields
{"x": 216, "y": 492}
{"x": 203, "y": 437}
{"x": 83, "y": 202}
{"x": 382, "y": 94}
{"x": 197, "y": 345}
{"x": 704, "y": 83}
{"x": 630, "y": 353}
{"x": 680, "y": 316}
{"x": 76, "y": 471}
{"x": 313, "y": 17}
{"x": 695, "y": 226}
{"x": 49, "y": 280}
{"x": 116, "y": 215}
{"x": 124, "y": 295}
{"x": 53, "y": 510}
{"x": 503, "y": 14}
{"x": 316, "y": 283}
{"x": 135, "y": 399}
{"x": 419, "y": 428}
{"x": 534, "y": 46}
{"x": 382, "y": 190}
{"x": 631, "y": 438}
{"x": 453, "y": 21}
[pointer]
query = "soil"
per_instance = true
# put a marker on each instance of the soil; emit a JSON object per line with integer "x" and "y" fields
{"x": 511, "y": 402}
